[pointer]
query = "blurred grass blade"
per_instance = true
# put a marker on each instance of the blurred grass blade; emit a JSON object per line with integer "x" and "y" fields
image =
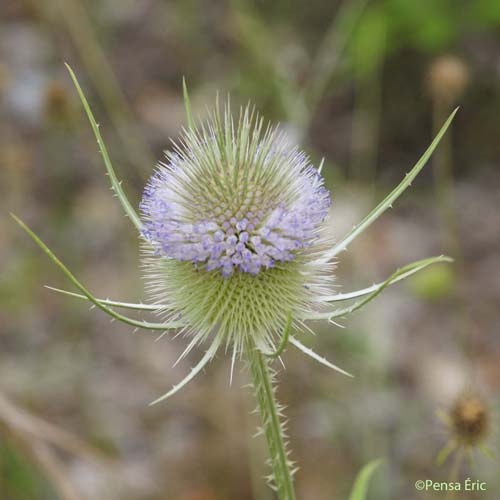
{"x": 445, "y": 453}
{"x": 360, "y": 487}
{"x": 113, "y": 303}
{"x": 284, "y": 338}
{"x": 365, "y": 291}
{"x": 334, "y": 43}
{"x": 77, "y": 19}
{"x": 125, "y": 319}
{"x": 187, "y": 104}
{"x": 23, "y": 423}
{"x": 396, "y": 276}
{"x": 194, "y": 371}
{"x": 309, "y": 352}
{"x": 393, "y": 196}
{"x": 115, "y": 183}
{"x": 488, "y": 453}
{"x": 261, "y": 45}
{"x": 48, "y": 461}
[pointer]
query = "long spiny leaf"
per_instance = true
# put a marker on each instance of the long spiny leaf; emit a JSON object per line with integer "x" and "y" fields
{"x": 375, "y": 290}
{"x": 339, "y": 297}
{"x": 392, "y": 197}
{"x": 115, "y": 183}
{"x": 120, "y": 317}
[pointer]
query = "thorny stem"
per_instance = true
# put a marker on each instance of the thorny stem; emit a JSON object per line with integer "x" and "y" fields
{"x": 263, "y": 382}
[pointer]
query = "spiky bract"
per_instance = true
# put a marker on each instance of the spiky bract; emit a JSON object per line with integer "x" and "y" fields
{"x": 233, "y": 225}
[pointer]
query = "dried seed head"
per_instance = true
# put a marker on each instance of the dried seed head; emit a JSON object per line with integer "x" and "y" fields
{"x": 447, "y": 78}
{"x": 469, "y": 420}
{"x": 233, "y": 225}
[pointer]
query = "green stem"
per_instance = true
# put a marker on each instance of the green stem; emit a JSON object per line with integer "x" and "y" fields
{"x": 263, "y": 382}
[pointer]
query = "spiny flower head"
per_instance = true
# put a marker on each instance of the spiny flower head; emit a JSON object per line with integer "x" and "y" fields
{"x": 233, "y": 223}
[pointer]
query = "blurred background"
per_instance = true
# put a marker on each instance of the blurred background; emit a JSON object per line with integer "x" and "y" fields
{"x": 364, "y": 84}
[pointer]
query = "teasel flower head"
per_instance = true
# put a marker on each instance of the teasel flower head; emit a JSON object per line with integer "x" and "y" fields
{"x": 234, "y": 224}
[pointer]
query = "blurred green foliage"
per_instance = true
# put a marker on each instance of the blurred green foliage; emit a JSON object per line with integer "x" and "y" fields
{"x": 429, "y": 26}
{"x": 19, "y": 478}
{"x": 434, "y": 283}
{"x": 360, "y": 486}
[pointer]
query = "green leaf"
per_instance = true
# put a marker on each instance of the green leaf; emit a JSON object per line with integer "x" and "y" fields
{"x": 393, "y": 196}
{"x": 360, "y": 487}
{"x": 115, "y": 183}
{"x": 404, "y": 272}
{"x": 120, "y": 317}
